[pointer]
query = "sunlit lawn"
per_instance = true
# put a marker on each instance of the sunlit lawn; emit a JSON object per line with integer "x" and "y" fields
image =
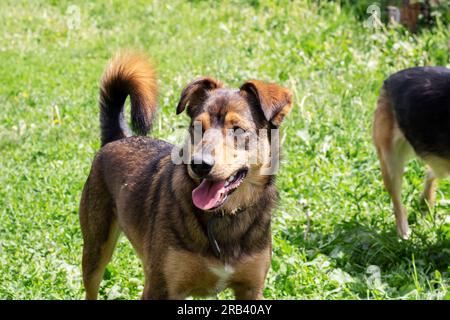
{"x": 333, "y": 233}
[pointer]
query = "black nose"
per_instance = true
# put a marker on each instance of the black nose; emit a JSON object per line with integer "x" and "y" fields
{"x": 202, "y": 165}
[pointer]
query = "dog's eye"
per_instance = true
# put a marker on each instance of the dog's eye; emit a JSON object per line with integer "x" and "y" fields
{"x": 238, "y": 130}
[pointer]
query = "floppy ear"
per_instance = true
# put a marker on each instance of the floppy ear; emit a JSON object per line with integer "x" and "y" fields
{"x": 275, "y": 101}
{"x": 196, "y": 92}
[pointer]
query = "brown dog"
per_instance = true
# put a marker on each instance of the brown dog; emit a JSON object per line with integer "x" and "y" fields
{"x": 198, "y": 227}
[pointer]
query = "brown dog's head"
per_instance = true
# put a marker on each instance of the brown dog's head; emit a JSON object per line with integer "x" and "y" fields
{"x": 230, "y": 139}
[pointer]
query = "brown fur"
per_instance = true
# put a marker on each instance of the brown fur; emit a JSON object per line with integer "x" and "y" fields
{"x": 191, "y": 274}
{"x": 127, "y": 74}
{"x": 135, "y": 188}
{"x": 275, "y": 103}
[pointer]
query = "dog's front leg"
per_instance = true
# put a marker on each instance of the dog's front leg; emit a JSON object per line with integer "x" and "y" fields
{"x": 245, "y": 293}
{"x": 156, "y": 288}
{"x": 152, "y": 293}
{"x": 155, "y": 291}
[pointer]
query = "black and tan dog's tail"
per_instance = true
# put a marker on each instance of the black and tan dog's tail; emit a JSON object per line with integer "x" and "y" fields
{"x": 127, "y": 74}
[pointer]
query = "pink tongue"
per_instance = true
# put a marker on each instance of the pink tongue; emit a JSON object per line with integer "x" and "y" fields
{"x": 208, "y": 194}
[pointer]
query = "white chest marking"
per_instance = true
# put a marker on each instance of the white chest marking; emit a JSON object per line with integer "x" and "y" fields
{"x": 223, "y": 272}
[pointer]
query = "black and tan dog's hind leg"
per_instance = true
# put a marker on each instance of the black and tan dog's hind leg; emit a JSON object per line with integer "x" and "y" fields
{"x": 393, "y": 151}
{"x": 428, "y": 197}
{"x": 100, "y": 233}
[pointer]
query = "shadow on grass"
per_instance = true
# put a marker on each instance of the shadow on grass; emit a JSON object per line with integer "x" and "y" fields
{"x": 354, "y": 246}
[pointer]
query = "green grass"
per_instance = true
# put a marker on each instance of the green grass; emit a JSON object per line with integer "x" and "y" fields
{"x": 334, "y": 234}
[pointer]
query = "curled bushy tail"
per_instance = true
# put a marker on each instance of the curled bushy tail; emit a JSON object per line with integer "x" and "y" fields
{"x": 127, "y": 74}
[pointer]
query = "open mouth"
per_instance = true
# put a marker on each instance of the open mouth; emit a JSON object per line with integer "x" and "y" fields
{"x": 211, "y": 195}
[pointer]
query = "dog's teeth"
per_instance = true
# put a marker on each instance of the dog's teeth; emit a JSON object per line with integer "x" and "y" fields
{"x": 231, "y": 178}
{"x": 226, "y": 184}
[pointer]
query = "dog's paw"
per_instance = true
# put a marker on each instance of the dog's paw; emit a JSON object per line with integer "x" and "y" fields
{"x": 404, "y": 231}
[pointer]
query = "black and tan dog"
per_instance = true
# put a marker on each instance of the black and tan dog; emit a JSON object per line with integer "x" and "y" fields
{"x": 198, "y": 228}
{"x": 413, "y": 117}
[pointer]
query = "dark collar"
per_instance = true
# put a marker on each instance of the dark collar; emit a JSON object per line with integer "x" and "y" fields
{"x": 211, "y": 238}
{"x": 217, "y": 216}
